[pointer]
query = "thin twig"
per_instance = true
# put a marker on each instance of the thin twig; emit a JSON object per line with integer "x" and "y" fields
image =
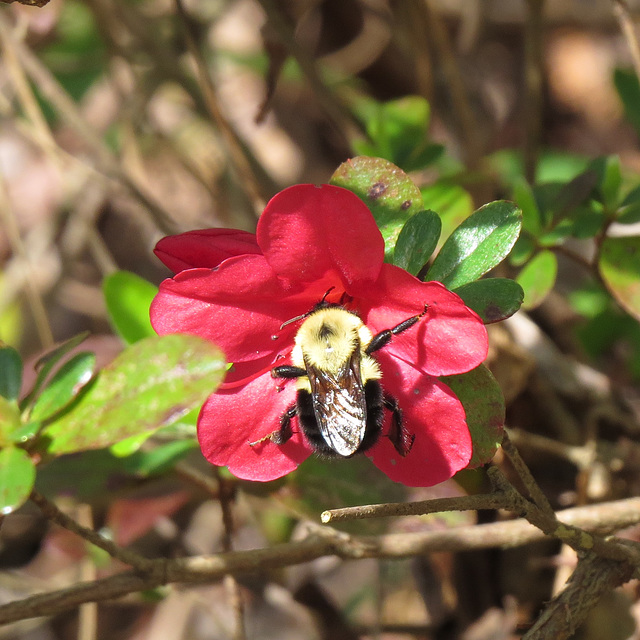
{"x": 51, "y": 89}
{"x": 54, "y": 514}
{"x": 461, "y": 503}
{"x": 523, "y": 472}
{"x": 603, "y": 518}
{"x": 232, "y": 143}
{"x": 592, "y": 578}
{"x": 227, "y": 497}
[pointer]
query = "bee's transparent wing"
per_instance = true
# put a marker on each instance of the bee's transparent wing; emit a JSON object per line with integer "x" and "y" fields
{"x": 340, "y": 405}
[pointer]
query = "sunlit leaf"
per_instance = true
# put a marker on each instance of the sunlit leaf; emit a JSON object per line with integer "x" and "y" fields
{"x": 128, "y": 299}
{"x": 64, "y": 386}
{"x": 417, "y": 241}
{"x": 537, "y": 278}
{"x": 480, "y": 243}
{"x": 17, "y": 475}
{"x": 387, "y": 190}
{"x": 619, "y": 264}
{"x": 149, "y": 385}
{"x": 47, "y": 362}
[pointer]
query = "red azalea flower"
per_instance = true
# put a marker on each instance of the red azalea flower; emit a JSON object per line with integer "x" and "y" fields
{"x": 237, "y": 290}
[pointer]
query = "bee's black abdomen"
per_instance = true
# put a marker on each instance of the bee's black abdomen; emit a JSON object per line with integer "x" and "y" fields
{"x": 309, "y": 425}
{"x": 375, "y": 414}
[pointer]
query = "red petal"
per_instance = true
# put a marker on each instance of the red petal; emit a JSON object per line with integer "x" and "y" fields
{"x": 307, "y": 231}
{"x": 238, "y": 306}
{"x": 231, "y": 420}
{"x": 442, "y": 444}
{"x": 450, "y": 338}
{"x": 204, "y": 248}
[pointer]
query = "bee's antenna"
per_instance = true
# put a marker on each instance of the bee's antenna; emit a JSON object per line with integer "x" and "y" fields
{"x": 305, "y": 315}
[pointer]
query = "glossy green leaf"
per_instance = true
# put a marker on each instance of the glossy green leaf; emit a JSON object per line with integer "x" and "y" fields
{"x": 417, "y": 241}
{"x": 484, "y": 405}
{"x": 619, "y": 264}
{"x": 9, "y": 420}
{"x": 17, "y": 476}
{"x": 149, "y": 385}
{"x": 10, "y": 373}
{"x": 452, "y": 203}
{"x": 480, "y": 243}
{"x": 387, "y": 190}
{"x": 47, "y": 362}
{"x": 537, "y": 278}
{"x": 626, "y": 82}
{"x": 524, "y": 196}
{"x": 493, "y": 299}
{"x": 128, "y": 299}
{"x": 64, "y": 386}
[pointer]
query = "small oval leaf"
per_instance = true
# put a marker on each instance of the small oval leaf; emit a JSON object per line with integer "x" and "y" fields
{"x": 9, "y": 420}
{"x": 619, "y": 264}
{"x": 417, "y": 241}
{"x": 17, "y": 476}
{"x": 537, "y": 278}
{"x": 481, "y": 242}
{"x": 128, "y": 299}
{"x": 64, "y": 386}
{"x": 483, "y": 403}
{"x": 48, "y": 361}
{"x": 10, "y": 373}
{"x": 387, "y": 190}
{"x": 493, "y": 299}
{"x": 149, "y": 385}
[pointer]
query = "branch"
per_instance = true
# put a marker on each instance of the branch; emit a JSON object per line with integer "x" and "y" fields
{"x": 603, "y": 518}
{"x": 592, "y": 578}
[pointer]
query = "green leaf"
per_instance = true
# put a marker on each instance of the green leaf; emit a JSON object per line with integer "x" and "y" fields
{"x": 149, "y": 385}
{"x": 626, "y": 82}
{"x": 537, "y": 278}
{"x": 387, "y": 190}
{"x": 10, "y": 373}
{"x": 608, "y": 179}
{"x": 398, "y": 131}
{"x": 480, "y": 243}
{"x": 493, "y": 299}
{"x": 525, "y": 199}
{"x": 483, "y": 403}
{"x": 64, "y": 386}
{"x": 160, "y": 459}
{"x": 629, "y": 210}
{"x": 619, "y": 264}
{"x": 9, "y": 420}
{"x": 522, "y": 250}
{"x": 128, "y": 299}
{"x": 47, "y": 362}
{"x": 17, "y": 476}
{"x": 417, "y": 241}
{"x": 453, "y": 204}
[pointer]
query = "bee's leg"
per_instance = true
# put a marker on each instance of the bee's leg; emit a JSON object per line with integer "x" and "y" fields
{"x": 284, "y": 432}
{"x": 401, "y": 439}
{"x": 288, "y": 371}
{"x": 384, "y": 337}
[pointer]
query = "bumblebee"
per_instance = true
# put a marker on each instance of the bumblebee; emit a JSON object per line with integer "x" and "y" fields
{"x": 340, "y": 402}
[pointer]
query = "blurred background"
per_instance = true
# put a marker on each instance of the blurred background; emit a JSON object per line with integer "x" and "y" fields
{"x": 123, "y": 121}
